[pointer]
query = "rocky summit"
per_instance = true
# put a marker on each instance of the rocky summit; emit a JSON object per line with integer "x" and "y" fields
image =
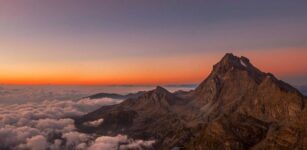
{"x": 236, "y": 107}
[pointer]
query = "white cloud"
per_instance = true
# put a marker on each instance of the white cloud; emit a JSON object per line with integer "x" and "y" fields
{"x": 74, "y": 138}
{"x": 48, "y": 125}
{"x": 121, "y": 142}
{"x": 12, "y": 135}
{"x": 107, "y": 142}
{"x": 138, "y": 144}
{"x": 38, "y": 142}
{"x": 94, "y": 123}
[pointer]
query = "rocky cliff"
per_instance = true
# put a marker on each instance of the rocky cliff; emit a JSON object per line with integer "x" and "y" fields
{"x": 236, "y": 107}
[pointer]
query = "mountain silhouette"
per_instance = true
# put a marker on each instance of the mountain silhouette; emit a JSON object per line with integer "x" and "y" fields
{"x": 236, "y": 107}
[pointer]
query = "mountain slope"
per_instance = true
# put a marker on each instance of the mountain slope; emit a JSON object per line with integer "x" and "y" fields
{"x": 149, "y": 116}
{"x": 236, "y": 107}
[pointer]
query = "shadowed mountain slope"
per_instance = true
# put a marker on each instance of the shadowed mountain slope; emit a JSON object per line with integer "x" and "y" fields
{"x": 236, "y": 107}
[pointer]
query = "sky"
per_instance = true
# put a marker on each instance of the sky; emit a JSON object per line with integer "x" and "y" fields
{"x": 112, "y": 42}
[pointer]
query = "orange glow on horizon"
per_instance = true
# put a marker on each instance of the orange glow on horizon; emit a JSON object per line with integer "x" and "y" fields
{"x": 118, "y": 80}
{"x": 145, "y": 71}
{"x": 182, "y": 69}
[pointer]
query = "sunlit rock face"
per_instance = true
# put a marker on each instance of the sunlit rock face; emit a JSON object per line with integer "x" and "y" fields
{"x": 236, "y": 107}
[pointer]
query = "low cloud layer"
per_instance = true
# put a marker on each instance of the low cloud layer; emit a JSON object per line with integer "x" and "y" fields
{"x": 48, "y": 125}
{"x": 22, "y": 94}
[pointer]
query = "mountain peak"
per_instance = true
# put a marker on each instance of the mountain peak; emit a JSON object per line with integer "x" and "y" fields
{"x": 229, "y": 56}
{"x": 229, "y": 61}
{"x": 231, "y": 68}
{"x": 160, "y": 90}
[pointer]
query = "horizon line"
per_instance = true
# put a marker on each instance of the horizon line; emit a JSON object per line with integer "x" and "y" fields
{"x": 114, "y": 85}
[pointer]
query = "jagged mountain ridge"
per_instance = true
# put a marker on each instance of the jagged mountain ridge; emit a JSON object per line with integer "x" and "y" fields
{"x": 236, "y": 107}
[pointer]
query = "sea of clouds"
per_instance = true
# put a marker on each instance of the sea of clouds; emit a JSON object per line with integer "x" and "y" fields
{"x": 49, "y": 125}
{"x": 13, "y": 94}
{"x": 41, "y": 117}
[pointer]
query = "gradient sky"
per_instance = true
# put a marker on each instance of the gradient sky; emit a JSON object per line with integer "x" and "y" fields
{"x": 147, "y": 41}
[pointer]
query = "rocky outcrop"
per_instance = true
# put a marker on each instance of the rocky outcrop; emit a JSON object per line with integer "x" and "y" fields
{"x": 236, "y": 107}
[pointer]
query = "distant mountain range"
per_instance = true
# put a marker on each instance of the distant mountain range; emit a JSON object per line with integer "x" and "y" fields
{"x": 116, "y": 96}
{"x": 236, "y": 107}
